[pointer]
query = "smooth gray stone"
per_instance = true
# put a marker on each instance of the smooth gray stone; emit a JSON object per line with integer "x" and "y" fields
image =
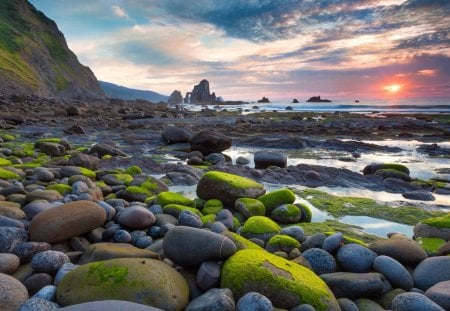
{"x": 414, "y": 302}
{"x": 394, "y": 271}
{"x": 354, "y": 285}
{"x": 254, "y": 301}
{"x": 208, "y": 275}
{"x": 440, "y": 294}
{"x": 11, "y": 237}
{"x": 216, "y": 299}
{"x": 189, "y": 247}
{"x": 320, "y": 260}
{"x": 333, "y": 242}
{"x": 432, "y": 271}
{"x": 38, "y": 304}
{"x": 48, "y": 261}
{"x": 355, "y": 258}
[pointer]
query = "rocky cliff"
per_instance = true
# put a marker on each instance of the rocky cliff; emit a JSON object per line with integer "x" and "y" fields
{"x": 200, "y": 94}
{"x": 35, "y": 58}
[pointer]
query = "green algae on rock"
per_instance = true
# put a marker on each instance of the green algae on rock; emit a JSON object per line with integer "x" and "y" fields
{"x": 250, "y": 207}
{"x": 176, "y": 209}
{"x": 284, "y": 282}
{"x": 227, "y": 187}
{"x": 342, "y": 206}
{"x": 168, "y": 197}
{"x": 275, "y": 198}
{"x": 133, "y": 170}
{"x": 241, "y": 242}
{"x": 431, "y": 245}
{"x": 260, "y": 227}
{"x": 8, "y": 174}
{"x": 286, "y": 214}
{"x": 141, "y": 280}
{"x": 374, "y": 167}
{"x": 63, "y": 189}
{"x": 212, "y": 206}
{"x": 283, "y": 243}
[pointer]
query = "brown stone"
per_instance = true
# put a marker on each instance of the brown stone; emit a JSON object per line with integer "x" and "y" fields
{"x": 66, "y": 221}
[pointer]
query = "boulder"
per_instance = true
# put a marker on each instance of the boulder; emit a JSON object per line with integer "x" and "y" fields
{"x": 227, "y": 187}
{"x": 187, "y": 246}
{"x": 107, "y": 148}
{"x": 250, "y": 207}
{"x": 140, "y": 280}
{"x": 66, "y": 221}
{"x": 208, "y": 141}
{"x": 176, "y": 134}
{"x": 284, "y": 283}
{"x": 273, "y": 199}
{"x": 264, "y": 159}
{"x": 12, "y": 293}
{"x": 286, "y": 214}
{"x": 84, "y": 160}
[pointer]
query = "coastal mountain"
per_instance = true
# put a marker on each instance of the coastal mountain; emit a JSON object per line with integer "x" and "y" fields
{"x": 35, "y": 58}
{"x": 117, "y": 91}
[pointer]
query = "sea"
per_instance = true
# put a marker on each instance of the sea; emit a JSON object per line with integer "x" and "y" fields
{"x": 416, "y": 105}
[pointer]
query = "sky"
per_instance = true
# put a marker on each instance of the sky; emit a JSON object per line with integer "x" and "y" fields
{"x": 281, "y": 49}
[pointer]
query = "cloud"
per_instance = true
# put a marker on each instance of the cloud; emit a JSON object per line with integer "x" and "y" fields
{"x": 120, "y": 12}
{"x": 440, "y": 38}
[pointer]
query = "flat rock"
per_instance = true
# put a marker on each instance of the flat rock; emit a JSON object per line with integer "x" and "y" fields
{"x": 420, "y": 195}
{"x": 140, "y": 280}
{"x": 66, "y": 221}
{"x": 48, "y": 195}
{"x": 187, "y": 246}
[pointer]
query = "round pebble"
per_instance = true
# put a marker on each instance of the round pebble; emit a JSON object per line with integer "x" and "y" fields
{"x": 296, "y": 232}
{"x": 355, "y": 258}
{"x": 37, "y": 281}
{"x": 333, "y": 242}
{"x": 226, "y": 217}
{"x": 12, "y": 293}
{"x": 25, "y": 251}
{"x": 190, "y": 219}
{"x": 122, "y": 236}
{"x": 144, "y": 241}
{"x": 48, "y": 261}
{"x": 314, "y": 241}
{"x": 8, "y": 263}
{"x": 47, "y": 292}
{"x": 254, "y": 301}
{"x": 109, "y": 210}
{"x": 11, "y": 237}
{"x": 320, "y": 260}
{"x": 440, "y": 294}
{"x": 38, "y": 304}
{"x": 136, "y": 217}
{"x": 156, "y": 209}
{"x": 218, "y": 227}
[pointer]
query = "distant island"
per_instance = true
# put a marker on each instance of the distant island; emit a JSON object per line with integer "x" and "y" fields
{"x": 317, "y": 99}
{"x": 264, "y": 100}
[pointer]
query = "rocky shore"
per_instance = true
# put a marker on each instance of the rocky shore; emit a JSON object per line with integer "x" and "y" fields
{"x": 86, "y": 225}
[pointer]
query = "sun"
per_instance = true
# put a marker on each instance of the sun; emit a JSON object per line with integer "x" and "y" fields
{"x": 393, "y": 88}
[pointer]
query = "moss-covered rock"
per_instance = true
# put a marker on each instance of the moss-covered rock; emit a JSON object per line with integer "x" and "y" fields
{"x": 435, "y": 227}
{"x": 212, "y": 206}
{"x": 140, "y": 190}
{"x": 68, "y": 171}
{"x": 176, "y": 209}
{"x": 391, "y": 173}
{"x": 276, "y": 198}
{"x": 431, "y": 245}
{"x": 117, "y": 179}
{"x": 168, "y": 197}
{"x": 141, "y": 280}
{"x": 133, "y": 170}
{"x": 250, "y": 207}
{"x": 374, "y": 167}
{"x": 240, "y": 241}
{"x": 306, "y": 212}
{"x": 282, "y": 243}
{"x": 260, "y": 227}
{"x": 106, "y": 251}
{"x": 227, "y": 187}
{"x": 338, "y": 206}
{"x": 5, "y": 162}
{"x": 285, "y": 283}
{"x": 63, "y": 189}
{"x": 286, "y": 214}
{"x": 208, "y": 220}
{"x": 8, "y": 174}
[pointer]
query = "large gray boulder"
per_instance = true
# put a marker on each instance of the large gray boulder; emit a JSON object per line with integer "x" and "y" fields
{"x": 208, "y": 141}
